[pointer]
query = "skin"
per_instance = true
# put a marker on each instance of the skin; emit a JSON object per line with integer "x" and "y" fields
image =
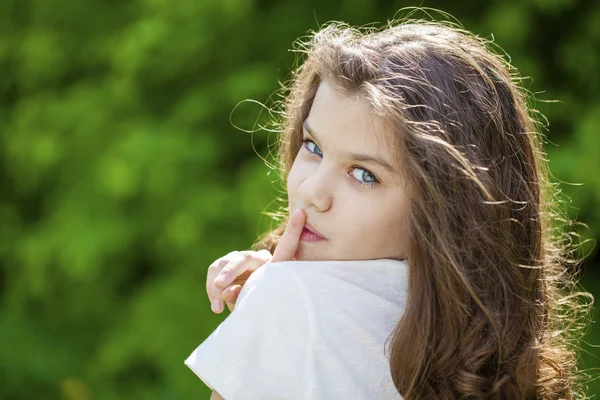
{"x": 227, "y": 274}
{"x": 241, "y": 262}
{"x": 216, "y": 396}
{"x": 360, "y": 207}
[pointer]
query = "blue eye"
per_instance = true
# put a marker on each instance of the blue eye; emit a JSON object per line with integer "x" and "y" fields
{"x": 363, "y": 176}
{"x": 313, "y": 148}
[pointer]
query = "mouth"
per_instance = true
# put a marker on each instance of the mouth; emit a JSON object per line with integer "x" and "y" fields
{"x": 310, "y": 234}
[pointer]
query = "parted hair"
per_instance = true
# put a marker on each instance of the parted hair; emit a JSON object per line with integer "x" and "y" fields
{"x": 493, "y": 308}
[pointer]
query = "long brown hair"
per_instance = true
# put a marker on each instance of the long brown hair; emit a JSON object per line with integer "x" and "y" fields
{"x": 492, "y": 309}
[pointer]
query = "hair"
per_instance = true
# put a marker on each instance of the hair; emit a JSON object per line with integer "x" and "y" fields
{"x": 492, "y": 306}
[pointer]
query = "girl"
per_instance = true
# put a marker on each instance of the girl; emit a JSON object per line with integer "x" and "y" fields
{"x": 411, "y": 148}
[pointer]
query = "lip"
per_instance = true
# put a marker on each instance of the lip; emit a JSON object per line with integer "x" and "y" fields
{"x": 310, "y": 228}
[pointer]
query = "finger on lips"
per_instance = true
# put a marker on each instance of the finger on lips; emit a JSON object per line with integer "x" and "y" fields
{"x": 286, "y": 249}
{"x": 223, "y": 288}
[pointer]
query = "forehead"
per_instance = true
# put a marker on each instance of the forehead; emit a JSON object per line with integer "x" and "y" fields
{"x": 348, "y": 122}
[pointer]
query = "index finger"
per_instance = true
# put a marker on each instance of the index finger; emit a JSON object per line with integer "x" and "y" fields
{"x": 288, "y": 245}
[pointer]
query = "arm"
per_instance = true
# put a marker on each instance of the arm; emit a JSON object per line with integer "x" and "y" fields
{"x": 216, "y": 396}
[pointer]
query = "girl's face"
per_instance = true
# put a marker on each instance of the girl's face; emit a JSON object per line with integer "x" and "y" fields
{"x": 348, "y": 179}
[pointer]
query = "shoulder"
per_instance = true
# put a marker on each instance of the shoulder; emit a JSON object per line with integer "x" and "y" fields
{"x": 273, "y": 284}
{"x": 263, "y": 349}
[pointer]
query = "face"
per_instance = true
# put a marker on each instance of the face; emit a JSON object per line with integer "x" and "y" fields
{"x": 348, "y": 179}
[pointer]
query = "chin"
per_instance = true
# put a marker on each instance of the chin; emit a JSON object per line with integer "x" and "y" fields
{"x": 304, "y": 254}
{"x": 308, "y": 255}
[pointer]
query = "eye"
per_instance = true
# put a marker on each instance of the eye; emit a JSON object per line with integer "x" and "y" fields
{"x": 363, "y": 176}
{"x": 312, "y": 147}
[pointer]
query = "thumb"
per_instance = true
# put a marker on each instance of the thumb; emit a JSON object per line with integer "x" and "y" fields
{"x": 288, "y": 245}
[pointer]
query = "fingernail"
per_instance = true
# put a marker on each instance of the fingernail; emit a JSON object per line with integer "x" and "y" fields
{"x": 299, "y": 204}
{"x": 215, "y": 305}
{"x": 220, "y": 278}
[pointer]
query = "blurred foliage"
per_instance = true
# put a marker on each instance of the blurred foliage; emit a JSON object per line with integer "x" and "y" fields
{"x": 122, "y": 175}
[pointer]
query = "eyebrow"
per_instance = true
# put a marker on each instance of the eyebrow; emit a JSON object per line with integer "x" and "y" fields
{"x": 356, "y": 156}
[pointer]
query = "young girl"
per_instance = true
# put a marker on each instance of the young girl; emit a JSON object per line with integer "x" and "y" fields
{"x": 422, "y": 254}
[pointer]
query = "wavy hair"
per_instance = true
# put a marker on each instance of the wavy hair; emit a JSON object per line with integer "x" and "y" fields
{"x": 493, "y": 310}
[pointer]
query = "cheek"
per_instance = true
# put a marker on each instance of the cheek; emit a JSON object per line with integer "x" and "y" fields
{"x": 301, "y": 169}
{"x": 394, "y": 228}
{"x": 294, "y": 179}
{"x": 382, "y": 231}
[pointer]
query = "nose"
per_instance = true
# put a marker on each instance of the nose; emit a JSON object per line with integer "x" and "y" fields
{"x": 317, "y": 189}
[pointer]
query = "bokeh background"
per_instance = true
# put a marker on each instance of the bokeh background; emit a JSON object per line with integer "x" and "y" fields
{"x": 122, "y": 176}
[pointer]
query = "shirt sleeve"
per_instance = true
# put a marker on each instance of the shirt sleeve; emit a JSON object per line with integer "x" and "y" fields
{"x": 263, "y": 349}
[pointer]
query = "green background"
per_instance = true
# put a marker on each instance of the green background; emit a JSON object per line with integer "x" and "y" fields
{"x": 122, "y": 176}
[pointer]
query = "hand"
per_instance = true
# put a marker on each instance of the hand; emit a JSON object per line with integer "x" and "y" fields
{"x": 227, "y": 275}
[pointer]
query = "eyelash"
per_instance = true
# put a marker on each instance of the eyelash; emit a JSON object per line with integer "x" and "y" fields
{"x": 305, "y": 143}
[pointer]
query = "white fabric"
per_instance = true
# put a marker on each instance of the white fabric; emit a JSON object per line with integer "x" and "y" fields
{"x": 307, "y": 330}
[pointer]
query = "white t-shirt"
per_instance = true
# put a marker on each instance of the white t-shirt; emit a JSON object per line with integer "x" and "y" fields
{"x": 307, "y": 330}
